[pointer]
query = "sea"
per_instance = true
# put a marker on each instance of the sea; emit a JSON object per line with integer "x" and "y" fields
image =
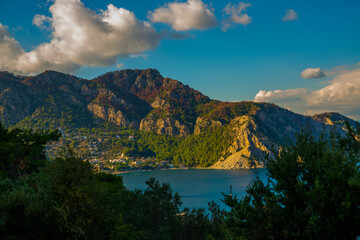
{"x": 197, "y": 187}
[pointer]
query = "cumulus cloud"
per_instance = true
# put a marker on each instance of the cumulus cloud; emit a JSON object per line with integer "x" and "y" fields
{"x": 42, "y": 21}
{"x": 312, "y": 73}
{"x": 80, "y": 36}
{"x": 290, "y": 15}
{"x": 344, "y": 91}
{"x": 182, "y": 16}
{"x": 236, "y": 15}
{"x": 283, "y": 96}
{"x": 342, "y": 94}
{"x": 10, "y": 49}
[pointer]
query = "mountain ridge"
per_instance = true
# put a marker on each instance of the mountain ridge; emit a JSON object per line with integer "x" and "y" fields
{"x": 145, "y": 100}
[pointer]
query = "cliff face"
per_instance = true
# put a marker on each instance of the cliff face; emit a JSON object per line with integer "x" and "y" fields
{"x": 202, "y": 124}
{"x": 145, "y": 100}
{"x": 170, "y": 105}
{"x": 109, "y": 114}
{"x": 167, "y": 126}
{"x": 248, "y": 147}
{"x": 161, "y": 122}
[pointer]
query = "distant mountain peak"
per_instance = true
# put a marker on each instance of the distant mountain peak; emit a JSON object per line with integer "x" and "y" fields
{"x": 329, "y": 114}
{"x": 50, "y": 78}
{"x": 334, "y": 119}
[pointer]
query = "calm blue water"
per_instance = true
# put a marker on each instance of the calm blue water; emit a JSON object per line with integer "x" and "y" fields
{"x": 197, "y": 186}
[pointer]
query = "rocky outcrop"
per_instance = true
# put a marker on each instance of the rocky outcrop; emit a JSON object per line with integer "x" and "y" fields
{"x": 248, "y": 148}
{"x": 159, "y": 103}
{"x": 202, "y": 124}
{"x": 238, "y": 161}
{"x": 108, "y": 97}
{"x": 167, "y": 126}
{"x": 109, "y": 114}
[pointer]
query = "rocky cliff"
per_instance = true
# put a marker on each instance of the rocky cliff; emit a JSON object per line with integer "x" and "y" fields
{"x": 248, "y": 148}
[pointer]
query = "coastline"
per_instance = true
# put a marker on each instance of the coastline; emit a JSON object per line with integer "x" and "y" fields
{"x": 187, "y": 168}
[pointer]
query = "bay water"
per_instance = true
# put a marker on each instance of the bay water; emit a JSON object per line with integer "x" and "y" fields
{"x": 197, "y": 187}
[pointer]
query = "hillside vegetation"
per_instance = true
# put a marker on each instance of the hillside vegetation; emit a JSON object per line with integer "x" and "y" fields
{"x": 313, "y": 192}
{"x": 170, "y": 120}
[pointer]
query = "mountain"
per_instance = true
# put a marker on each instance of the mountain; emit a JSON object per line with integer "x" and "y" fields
{"x": 227, "y": 134}
{"x": 334, "y": 119}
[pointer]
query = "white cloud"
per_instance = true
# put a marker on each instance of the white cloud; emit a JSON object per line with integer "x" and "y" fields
{"x": 290, "y": 15}
{"x": 284, "y": 96}
{"x": 10, "y": 49}
{"x": 341, "y": 95}
{"x": 344, "y": 91}
{"x": 341, "y": 69}
{"x": 312, "y": 73}
{"x": 80, "y": 36}
{"x": 43, "y": 3}
{"x": 182, "y": 16}
{"x": 143, "y": 56}
{"x": 42, "y": 21}
{"x": 236, "y": 15}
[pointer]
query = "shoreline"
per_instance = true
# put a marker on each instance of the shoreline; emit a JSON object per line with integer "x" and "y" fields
{"x": 188, "y": 168}
{"x": 148, "y": 170}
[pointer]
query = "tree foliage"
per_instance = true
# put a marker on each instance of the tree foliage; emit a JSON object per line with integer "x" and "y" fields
{"x": 66, "y": 199}
{"x": 313, "y": 192}
{"x": 22, "y": 151}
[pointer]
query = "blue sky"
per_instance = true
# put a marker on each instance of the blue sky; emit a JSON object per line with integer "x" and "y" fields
{"x": 259, "y": 51}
